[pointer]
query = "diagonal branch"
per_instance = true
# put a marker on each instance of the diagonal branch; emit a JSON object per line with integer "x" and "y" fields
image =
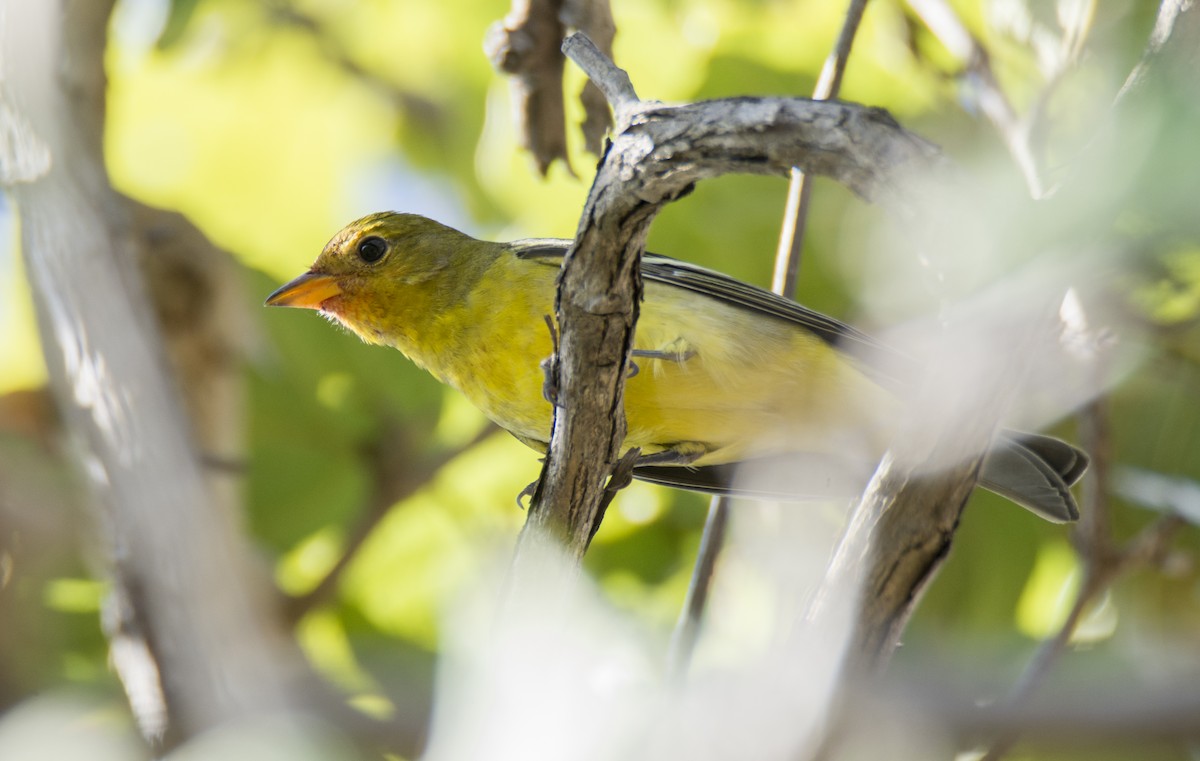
{"x": 795, "y": 215}
{"x": 943, "y": 21}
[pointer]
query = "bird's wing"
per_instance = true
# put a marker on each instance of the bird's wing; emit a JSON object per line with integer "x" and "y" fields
{"x": 880, "y": 360}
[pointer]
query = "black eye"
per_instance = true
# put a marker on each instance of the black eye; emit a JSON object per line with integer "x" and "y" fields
{"x": 372, "y": 249}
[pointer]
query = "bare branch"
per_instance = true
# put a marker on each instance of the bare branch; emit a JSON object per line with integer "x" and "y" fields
{"x": 683, "y": 638}
{"x": 795, "y": 215}
{"x": 397, "y": 475}
{"x": 221, "y": 656}
{"x": 943, "y": 21}
{"x": 594, "y": 19}
{"x": 525, "y": 45}
{"x": 612, "y": 82}
{"x": 193, "y": 623}
{"x": 1103, "y": 562}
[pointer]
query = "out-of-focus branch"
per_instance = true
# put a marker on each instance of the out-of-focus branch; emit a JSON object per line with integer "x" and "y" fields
{"x": 795, "y": 215}
{"x": 1169, "y": 59}
{"x": 901, "y": 531}
{"x": 1169, "y": 13}
{"x": 943, "y": 21}
{"x": 397, "y": 475}
{"x": 1103, "y": 561}
{"x": 195, "y": 631}
{"x": 413, "y": 105}
{"x": 218, "y": 657}
{"x": 527, "y": 45}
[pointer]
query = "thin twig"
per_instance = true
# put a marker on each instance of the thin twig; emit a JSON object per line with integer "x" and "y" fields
{"x": 393, "y": 483}
{"x": 1144, "y": 549}
{"x": 1103, "y": 562}
{"x": 412, "y": 105}
{"x": 795, "y": 217}
{"x": 943, "y": 21}
{"x": 683, "y": 639}
{"x": 613, "y": 81}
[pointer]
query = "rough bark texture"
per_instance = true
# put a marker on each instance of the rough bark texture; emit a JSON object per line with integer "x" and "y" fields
{"x": 593, "y": 18}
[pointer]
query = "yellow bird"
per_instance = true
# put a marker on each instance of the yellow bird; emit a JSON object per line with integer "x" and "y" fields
{"x": 723, "y": 374}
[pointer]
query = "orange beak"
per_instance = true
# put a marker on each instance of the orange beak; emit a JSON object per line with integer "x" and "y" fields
{"x": 309, "y": 291}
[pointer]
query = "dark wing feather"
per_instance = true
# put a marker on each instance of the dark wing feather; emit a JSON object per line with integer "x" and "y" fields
{"x": 715, "y": 285}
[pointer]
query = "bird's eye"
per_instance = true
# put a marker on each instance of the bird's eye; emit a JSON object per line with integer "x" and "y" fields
{"x": 372, "y": 249}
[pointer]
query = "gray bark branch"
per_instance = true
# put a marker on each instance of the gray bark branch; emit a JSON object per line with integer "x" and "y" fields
{"x": 123, "y": 294}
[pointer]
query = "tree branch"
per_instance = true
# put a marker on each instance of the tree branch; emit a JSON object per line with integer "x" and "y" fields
{"x": 525, "y": 45}
{"x": 220, "y": 656}
{"x": 396, "y": 475}
{"x": 795, "y": 215}
{"x": 195, "y": 632}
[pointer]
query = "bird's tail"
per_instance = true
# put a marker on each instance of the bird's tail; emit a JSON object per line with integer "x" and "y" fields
{"x": 1033, "y": 470}
{"x": 1036, "y": 472}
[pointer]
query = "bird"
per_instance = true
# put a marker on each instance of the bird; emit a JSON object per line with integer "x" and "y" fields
{"x": 725, "y": 378}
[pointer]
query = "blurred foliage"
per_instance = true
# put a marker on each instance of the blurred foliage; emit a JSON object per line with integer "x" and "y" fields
{"x": 271, "y": 124}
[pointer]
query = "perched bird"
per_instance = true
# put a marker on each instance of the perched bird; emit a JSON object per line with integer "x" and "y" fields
{"x": 723, "y": 373}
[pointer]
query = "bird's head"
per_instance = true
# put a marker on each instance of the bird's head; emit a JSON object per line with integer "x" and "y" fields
{"x": 380, "y": 271}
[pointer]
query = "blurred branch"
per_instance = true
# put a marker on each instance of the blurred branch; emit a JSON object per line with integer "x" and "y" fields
{"x": 1016, "y": 130}
{"x": 1100, "y": 715}
{"x": 661, "y": 153}
{"x": 191, "y": 584}
{"x": 527, "y": 45}
{"x": 942, "y": 20}
{"x": 901, "y": 531}
{"x": 787, "y": 267}
{"x": 687, "y": 628}
{"x": 414, "y": 106}
{"x": 1169, "y": 13}
{"x": 396, "y": 475}
{"x": 1103, "y": 561}
{"x": 1169, "y": 58}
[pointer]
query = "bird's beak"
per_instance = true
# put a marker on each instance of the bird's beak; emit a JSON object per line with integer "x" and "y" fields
{"x": 309, "y": 291}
